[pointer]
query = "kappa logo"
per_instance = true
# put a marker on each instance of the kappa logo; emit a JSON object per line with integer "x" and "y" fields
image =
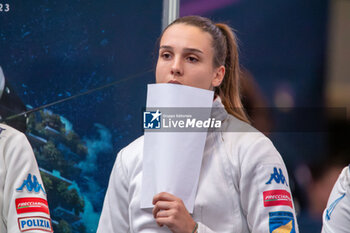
{"x": 151, "y": 120}
{"x": 332, "y": 207}
{"x": 1, "y": 129}
{"x": 34, "y": 223}
{"x": 277, "y": 176}
{"x": 31, "y": 185}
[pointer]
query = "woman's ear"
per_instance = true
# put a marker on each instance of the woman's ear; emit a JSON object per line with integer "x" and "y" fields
{"x": 218, "y": 76}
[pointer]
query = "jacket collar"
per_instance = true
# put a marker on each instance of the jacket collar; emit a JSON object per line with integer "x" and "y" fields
{"x": 218, "y": 110}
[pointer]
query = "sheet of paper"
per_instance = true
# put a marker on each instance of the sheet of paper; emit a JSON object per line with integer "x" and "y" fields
{"x": 172, "y": 160}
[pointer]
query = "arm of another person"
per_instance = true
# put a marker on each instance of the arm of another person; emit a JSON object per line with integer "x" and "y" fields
{"x": 266, "y": 199}
{"x": 25, "y": 204}
{"x": 115, "y": 212}
{"x": 336, "y": 217}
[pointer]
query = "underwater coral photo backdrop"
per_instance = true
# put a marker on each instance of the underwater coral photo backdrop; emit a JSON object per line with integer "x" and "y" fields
{"x": 93, "y": 55}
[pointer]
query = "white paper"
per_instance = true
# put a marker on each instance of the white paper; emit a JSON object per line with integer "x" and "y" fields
{"x": 172, "y": 160}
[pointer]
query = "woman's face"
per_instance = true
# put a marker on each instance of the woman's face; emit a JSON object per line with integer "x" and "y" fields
{"x": 186, "y": 57}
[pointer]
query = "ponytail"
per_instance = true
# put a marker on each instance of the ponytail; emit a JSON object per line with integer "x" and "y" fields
{"x": 229, "y": 90}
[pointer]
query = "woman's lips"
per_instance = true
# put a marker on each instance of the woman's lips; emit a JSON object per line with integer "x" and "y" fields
{"x": 174, "y": 82}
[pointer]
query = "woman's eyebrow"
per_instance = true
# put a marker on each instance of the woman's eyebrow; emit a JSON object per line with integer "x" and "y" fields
{"x": 192, "y": 50}
{"x": 187, "y": 50}
{"x": 165, "y": 47}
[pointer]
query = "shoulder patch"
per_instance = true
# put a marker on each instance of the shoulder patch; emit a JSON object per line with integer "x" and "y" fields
{"x": 277, "y": 177}
{"x": 31, "y": 185}
{"x": 277, "y": 197}
{"x": 272, "y": 177}
{"x": 281, "y": 222}
{"x": 34, "y": 223}
{"x": 1, "y": 129}
{"x": 31, "y": 204}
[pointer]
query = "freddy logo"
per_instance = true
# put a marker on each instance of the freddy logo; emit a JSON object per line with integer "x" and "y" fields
{"x": 277, "y": 197}
{"x": 34, "y": 204}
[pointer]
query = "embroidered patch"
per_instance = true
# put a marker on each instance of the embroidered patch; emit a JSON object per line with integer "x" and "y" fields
{"x": 277, "y": 197}
{"x": 1, "y": 129}
{"x": 281, "y": 222}
{"x": 34, "y": 223}
{"x": 31, "y": 204}
{"x": 31, "y": 185}
{"x": 277, "y": 176}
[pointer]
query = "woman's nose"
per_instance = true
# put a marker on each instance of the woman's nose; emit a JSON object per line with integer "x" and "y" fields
{"x": 177, "y": 68}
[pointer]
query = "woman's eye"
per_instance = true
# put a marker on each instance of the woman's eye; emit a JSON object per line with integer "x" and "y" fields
{"x": 166, "y": 55}
{"x": 192, "y": 59}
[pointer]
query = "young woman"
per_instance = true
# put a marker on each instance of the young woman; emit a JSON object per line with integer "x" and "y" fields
{"x": 243, "y": 184}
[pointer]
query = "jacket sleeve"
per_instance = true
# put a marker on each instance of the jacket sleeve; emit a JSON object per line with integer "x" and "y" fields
{"x": 203, "y": 228}
{"x": 115, "y": 211}
{"x": 336, "y": 217}
{"x": 265, "y": 194}
{"x": 25, "y": 203}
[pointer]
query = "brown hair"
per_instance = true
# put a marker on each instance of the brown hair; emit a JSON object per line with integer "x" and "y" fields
{"x": 226, "y": 54}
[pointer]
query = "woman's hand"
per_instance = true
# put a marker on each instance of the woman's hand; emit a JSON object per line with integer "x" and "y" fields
{"x": 170, "y": 211}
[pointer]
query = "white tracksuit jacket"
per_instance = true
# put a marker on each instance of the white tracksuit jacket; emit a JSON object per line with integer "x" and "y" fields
{"x": 336, "y": 217}
{"x": 23, "y": 205}
{"x": 243, "y": 186}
